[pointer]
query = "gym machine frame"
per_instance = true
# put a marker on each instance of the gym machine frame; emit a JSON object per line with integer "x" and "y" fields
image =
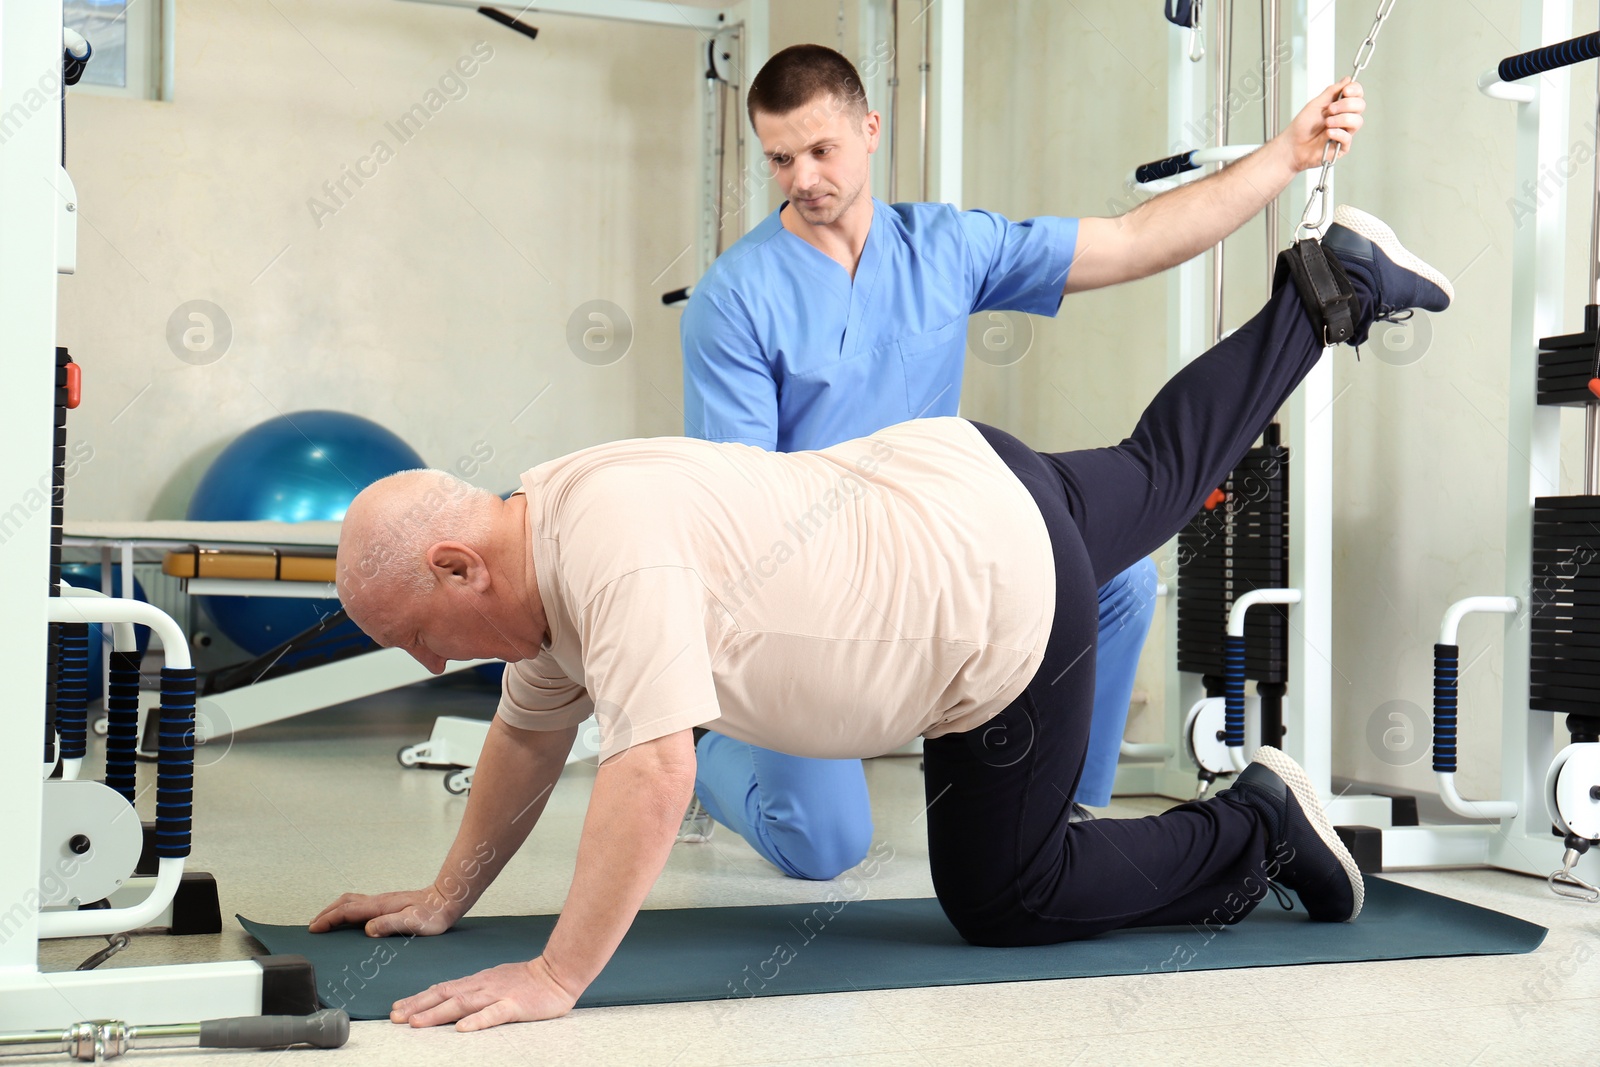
{"x": 33, "y": 243}
{"x": 1513, "y": 832}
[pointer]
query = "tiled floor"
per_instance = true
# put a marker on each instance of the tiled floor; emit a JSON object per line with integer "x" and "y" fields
{"x": 291, "y": 815}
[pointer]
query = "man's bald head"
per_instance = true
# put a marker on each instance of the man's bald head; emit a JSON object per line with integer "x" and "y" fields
{"x": 389, "y": 530}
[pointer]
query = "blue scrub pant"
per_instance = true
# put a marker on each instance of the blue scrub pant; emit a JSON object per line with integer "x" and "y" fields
{"x": 811, "y": 818}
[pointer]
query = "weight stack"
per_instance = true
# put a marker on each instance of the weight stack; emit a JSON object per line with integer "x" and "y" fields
{"x": 1238, "y": 547}
{"x": 1564, "y": 606}
{"x": 1568, "y": 363}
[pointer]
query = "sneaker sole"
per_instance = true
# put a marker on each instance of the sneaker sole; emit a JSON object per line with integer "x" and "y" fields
{"x": 1378, "y": 232}
{"x": 1294, "y": 776}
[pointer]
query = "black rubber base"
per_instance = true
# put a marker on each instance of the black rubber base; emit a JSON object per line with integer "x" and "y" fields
{"x": 196, "y": 908}
{"x": 288, "y": 985}
{"x": 1402, "y": 809}
{"x": 1365, "y": 844}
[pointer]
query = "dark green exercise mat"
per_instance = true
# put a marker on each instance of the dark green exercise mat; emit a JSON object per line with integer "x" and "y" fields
{"x": 781, "y": 949}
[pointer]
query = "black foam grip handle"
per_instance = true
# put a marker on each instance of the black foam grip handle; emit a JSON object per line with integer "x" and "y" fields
{"x": 675, "y": 296}
{"x": 122, "y": 724}
{"x": 72, "y": 690}
{"x": 175, "y": 770}
{"x": 328, "y": 1028}
{"x": 1170, "y": 167}
{"x": 1550, "y": 57}
{"x": 1446, "y": 675}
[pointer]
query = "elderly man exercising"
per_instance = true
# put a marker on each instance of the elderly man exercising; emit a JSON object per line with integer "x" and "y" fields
{"x": 839, "y": 314}
{"x": 937, "y": 578}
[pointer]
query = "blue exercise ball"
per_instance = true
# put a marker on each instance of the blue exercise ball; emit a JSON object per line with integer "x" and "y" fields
{"x": 87, "y": 576}
{"x": 295, "y": 468}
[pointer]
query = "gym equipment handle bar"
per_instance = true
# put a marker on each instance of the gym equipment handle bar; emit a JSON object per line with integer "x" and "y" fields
{"x": 1496, "y": 82}
{"x": 1233, "y": 667}
{"x": 1446, "y": 684}
{"x": 1160, "y": 170}
{"x": 93, "y": 1042}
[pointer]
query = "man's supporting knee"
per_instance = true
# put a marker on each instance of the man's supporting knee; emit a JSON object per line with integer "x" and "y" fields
{"x": 819, "y": 846}
{"x": 1127, "y": 605}
{"x": 809, "y": 818}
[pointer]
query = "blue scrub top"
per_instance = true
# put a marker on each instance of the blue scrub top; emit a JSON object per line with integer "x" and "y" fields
{"x": 783, "y": 351}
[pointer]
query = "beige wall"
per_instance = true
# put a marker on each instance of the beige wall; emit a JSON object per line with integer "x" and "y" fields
{"x": 436, "y": 301}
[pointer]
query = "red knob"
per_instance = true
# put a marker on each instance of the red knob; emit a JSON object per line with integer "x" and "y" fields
{"x": 1219, "y": 497}
{"x": 74, "y": 384}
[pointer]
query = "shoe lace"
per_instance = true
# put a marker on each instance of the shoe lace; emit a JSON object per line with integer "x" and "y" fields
{"x": 1387, "y": 313}
{"x": 1285, "y": 901}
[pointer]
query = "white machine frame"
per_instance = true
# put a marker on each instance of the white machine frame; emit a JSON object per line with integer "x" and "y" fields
{"x": 1514, "y": 833}
{"x": 30, "y": 47}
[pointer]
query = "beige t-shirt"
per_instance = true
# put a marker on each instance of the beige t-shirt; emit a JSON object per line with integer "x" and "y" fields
{"x": 835, "y": 603}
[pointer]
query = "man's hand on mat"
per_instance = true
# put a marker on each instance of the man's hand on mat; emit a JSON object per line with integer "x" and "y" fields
{"x": 1323, "y": 119}
{"x": 509, "y": 993}
{"x": 413, "y": 911}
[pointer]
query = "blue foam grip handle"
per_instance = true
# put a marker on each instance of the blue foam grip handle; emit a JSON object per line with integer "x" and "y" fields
{"x": 1550, "y": 57}
{"x": 122, "y": 724}
{"x": 175, "y": 767}
{"x": 1233, "y": 691}
{"x": 1446, "y": 672}
{"x": 72, "y": 690}
{"x": 1170, "y": 167}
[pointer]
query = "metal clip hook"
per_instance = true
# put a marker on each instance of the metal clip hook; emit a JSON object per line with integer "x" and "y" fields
{"x": 1319, "y": 199}
{"x": 115, "y": 943}
{"x": 1565, "y": 883}
{"x": 1197, "y": 33}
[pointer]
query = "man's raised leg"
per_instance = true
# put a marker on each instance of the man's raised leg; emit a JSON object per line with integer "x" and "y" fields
{"x": 1130, "y": 499}
{"x": 1008, "y": 865}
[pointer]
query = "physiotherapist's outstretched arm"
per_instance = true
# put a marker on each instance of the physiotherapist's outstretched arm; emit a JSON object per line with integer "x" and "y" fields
{"x": 1178, "y": 225}
{"x": 634, "y": 812}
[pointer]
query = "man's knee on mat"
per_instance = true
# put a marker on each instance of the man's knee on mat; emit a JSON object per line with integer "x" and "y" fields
{"x": 819, "y": 848}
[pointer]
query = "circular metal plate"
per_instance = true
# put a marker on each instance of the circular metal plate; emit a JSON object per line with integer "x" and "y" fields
{"x": 66, "y": 878}
{"x": 1573, "y": 774}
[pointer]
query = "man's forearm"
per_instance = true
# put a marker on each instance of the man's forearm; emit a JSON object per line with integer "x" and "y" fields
{"x": 511, "y": 784}
{"x": 1180, "y": 224}
{"x": 634, "y": 814}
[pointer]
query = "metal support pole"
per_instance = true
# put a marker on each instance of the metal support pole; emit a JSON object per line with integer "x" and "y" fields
{"x": 1270, "y": 114}
{"x": 1591, "y": 410}
{"x": 922, "y": 103}
{"x": 1224, "y": 48}
{"x": 894, "y": 101}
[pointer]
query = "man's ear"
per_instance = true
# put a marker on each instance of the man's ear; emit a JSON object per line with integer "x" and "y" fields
{"x": 458, "y": 565}
{"x": 871, "y": 126}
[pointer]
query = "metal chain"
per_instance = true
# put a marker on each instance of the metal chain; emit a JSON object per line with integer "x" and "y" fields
{"x": 1330, "y": 151}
